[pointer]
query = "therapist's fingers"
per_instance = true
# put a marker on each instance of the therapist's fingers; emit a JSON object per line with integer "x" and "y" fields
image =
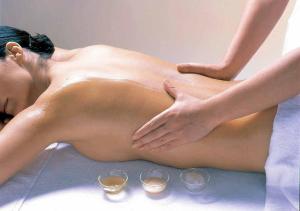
{"x": 213, "y": 71}
{"x": 217, "y": 71}
{"x": 161, "y": 118}
{"x": 171, "y": 145}
{"x": 194, "y": 68}
{"x": 154, "y": 123}
{"x": 149, "y": 137}
{"x": 159, "y": 141}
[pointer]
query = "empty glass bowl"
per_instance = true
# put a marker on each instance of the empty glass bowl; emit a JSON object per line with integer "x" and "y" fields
{"x": 195, "y": 179}
{"x": 154, "y": 180}
{"x": 113, "y": 181}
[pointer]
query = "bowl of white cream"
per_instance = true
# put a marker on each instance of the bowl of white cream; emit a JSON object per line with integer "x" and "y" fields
{"x": 195, "y": 179}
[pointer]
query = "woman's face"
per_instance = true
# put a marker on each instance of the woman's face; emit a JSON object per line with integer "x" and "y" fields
{"x": 15, "y": 85}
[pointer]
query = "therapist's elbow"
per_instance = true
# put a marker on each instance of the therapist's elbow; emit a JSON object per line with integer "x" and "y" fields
{"x": 273, "y": 2}
{"x": 276, "y": 6}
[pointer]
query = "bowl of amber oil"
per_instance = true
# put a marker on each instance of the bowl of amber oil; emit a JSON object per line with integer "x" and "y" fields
{"x": 195, "y": 180}
{"x": 155, "y": 182}
{"x": 113, "y": 182}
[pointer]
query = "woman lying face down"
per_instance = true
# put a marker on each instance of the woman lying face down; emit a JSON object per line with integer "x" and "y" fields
{"x": 96, "y": 97}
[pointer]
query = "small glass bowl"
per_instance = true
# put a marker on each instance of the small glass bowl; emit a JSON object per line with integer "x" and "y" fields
{"x": 113, "y": 181}
{"x": 195, "y": 179}
{"x": 154, "y": 180}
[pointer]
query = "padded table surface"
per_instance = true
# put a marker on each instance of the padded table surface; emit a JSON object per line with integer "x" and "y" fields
{"x": 62, "y": 179}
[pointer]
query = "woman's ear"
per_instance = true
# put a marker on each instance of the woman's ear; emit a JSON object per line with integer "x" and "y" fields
{"x": 14, "y": 51}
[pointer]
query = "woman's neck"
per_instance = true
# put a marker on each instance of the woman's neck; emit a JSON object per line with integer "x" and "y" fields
{"x": 42, "y": 70}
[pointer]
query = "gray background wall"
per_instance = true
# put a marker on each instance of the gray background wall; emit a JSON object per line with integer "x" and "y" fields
{"x": 0, "y": 12}
{"x": 174, "y": 30}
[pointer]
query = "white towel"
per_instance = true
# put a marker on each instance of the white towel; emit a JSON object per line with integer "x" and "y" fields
{"x": 62, "y": 179}
{"x": 282, "y": 166}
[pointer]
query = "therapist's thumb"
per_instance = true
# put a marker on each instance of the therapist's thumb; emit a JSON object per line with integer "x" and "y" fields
{"x": 171, "y": 89}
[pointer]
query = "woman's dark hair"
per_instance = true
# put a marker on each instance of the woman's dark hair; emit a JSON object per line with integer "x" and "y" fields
{"x": 40, "y": 44}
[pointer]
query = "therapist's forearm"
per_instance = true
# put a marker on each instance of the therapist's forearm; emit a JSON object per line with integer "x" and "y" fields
{"x": 266, "y": 89}
{"x": 259, "y": 19}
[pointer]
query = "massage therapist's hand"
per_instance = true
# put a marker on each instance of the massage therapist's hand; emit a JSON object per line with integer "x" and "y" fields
{"x": 217, "y": 71}
{"x": 187, "y": 120}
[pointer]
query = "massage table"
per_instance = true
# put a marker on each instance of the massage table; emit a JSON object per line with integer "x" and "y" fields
{"x": 61, "y": 179}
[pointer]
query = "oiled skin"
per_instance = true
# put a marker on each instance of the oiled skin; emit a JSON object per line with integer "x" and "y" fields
{"x": 104, "y": 94}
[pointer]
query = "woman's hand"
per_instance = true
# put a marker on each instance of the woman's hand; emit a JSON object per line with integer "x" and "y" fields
{"x": 187, "y": 120}
{"x": 220, "y": 71}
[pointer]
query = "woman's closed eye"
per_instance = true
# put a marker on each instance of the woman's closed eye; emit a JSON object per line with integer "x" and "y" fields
{"x": 5, "y": 118}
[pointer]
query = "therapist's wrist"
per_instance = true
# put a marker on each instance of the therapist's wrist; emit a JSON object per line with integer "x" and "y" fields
{"x": 217, "y": 113}
{"x": 229, "y": 69}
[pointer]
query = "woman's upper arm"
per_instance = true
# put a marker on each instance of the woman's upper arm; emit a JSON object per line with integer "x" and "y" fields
{"x": 23, "y": 138}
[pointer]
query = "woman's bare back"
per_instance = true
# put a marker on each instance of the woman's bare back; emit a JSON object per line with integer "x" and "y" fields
{"x": 103, "y": 94}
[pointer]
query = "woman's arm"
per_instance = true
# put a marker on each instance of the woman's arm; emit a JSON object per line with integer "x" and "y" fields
{"x": 260, "y": 17}
{"x": 22, "y": 139}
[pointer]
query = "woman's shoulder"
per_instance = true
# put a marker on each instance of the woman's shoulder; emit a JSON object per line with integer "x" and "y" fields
{"x": 81, "y": 93}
